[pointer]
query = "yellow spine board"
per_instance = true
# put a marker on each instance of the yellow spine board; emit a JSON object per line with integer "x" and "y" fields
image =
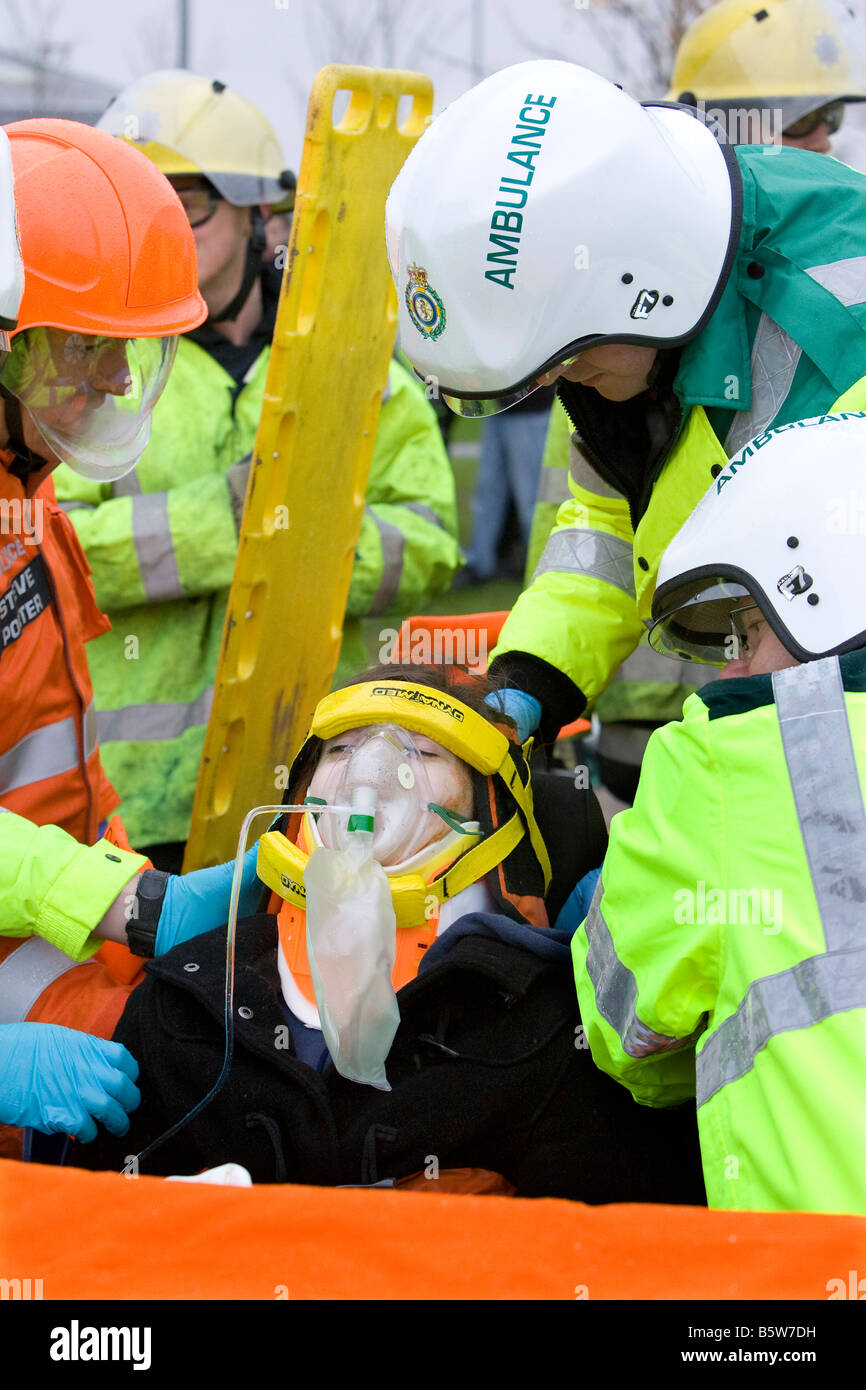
{"x": 333, "y": 338}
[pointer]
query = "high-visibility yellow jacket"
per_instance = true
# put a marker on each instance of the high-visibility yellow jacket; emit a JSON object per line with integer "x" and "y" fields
{"x": 724, "y": 953}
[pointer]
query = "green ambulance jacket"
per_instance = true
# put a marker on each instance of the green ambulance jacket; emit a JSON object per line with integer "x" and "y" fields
{"x": 162, "y": 544}
{"x": 786, "y": 340}
{"x": 715, "y": 962}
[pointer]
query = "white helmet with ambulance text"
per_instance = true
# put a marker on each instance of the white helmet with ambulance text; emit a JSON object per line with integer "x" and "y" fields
{"x": 544, "y": 212}
{"x": 783, "y": 527}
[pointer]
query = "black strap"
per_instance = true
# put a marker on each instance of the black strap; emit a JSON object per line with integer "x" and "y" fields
{"x": 142, "y": 926}
{"x": 252, "y": 269}
{"x": 26, "y": 462}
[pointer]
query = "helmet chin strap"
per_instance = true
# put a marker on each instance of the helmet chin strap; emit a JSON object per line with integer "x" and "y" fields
{"x": 252, "y": 269}
{"x": 26, "y": 462}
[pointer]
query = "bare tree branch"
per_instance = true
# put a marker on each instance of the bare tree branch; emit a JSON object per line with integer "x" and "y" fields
{"x": 658, "y": 34}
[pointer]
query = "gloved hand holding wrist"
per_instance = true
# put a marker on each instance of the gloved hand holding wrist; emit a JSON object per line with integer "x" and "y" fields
{"x": 518, "y": 706}
{"x": 60, "y": 1081}
{"x": 198, "y": 902}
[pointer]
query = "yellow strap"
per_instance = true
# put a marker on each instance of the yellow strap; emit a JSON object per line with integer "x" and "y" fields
{"x": 280, "y": 864}
{"x": 419, "y": 708}
{"x": 477, "y": 862}
{"x": 522, "y": 793}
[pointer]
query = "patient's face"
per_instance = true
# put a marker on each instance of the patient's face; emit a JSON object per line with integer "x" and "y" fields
{"x": 407, "y": 772}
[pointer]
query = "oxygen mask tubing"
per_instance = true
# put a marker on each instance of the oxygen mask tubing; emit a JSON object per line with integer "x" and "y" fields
{"x": 231, "y": 933}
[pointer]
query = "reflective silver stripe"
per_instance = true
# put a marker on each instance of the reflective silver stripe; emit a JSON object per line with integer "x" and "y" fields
{"x": 553, "y": 486}
{"x": 393, "y": 543}
{"x": 26, "y": 973}
{"x": 616, "y": 989}
{"x": 816, "y": 736}
{"x": 845, "y": 280}
{"x": 585, "y": 475}
{"x": 797, "y": 998}
{"x": 127, "y": 486}
{"x": 775, "y": 357}
{"x": 387, "y": 392}
{"x": 46, "y": 752}
{"x": 578, "y": 551}
{"x": 91, "y": 730}
{"x": 427, "y": 513}
{"x": 153, "y": 723}
{"x": 74, "y": 506}
{"x": 154, "y": 547}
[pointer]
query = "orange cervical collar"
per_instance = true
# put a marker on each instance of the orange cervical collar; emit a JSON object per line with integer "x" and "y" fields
{"x": 412, "y": 942}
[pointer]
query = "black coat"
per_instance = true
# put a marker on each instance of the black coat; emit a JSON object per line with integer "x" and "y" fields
{"x": 487, "y": 1071}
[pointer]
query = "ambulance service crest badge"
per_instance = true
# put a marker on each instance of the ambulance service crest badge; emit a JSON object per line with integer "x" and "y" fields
{"x": 426, "y": 309}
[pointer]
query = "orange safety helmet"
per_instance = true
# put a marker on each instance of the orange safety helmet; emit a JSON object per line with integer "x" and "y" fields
{"x": 110, "y": 280}
{"x": 107, "y": 246}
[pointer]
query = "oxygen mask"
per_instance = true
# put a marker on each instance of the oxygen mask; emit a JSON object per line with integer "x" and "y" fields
{"x": 420, "y": 788}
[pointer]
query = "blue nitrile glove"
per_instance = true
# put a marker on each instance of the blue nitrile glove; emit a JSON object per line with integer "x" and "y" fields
{"x": 576, "y": 905}
{"x": 198, "y": 902}
{"x": 60, "y": 1081}
{"x": 517, "y": 705}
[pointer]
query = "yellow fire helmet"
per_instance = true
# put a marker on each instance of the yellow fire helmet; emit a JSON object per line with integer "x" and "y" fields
{"x": 794, "y": 55}
{"x": 507, "y": 837}
{"x": 189, "y": 124}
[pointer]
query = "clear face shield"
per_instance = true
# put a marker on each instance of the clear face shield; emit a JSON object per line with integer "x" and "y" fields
{"x": 703, "y": 621}
{"x": 90, "y": 397}
{"x": 410, "y": 774}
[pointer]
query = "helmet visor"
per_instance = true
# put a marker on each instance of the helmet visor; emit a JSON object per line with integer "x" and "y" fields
{"x": 475, "y": 407}
{"x": 694, "y": 622}
{"x": 89, "y": 396}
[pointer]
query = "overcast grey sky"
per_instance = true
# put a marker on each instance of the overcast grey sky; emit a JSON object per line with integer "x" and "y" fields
{"x": 270, "y": 50}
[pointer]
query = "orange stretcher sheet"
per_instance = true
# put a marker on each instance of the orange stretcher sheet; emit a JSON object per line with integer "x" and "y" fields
{"x": 101, "y": 1235}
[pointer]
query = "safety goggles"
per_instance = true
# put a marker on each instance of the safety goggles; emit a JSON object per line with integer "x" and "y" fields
{"x": 90, "y": 396}
{"x": 830, "y": 115}
{"x": 748, "y": 626}
{"x": 199, "y": 203}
